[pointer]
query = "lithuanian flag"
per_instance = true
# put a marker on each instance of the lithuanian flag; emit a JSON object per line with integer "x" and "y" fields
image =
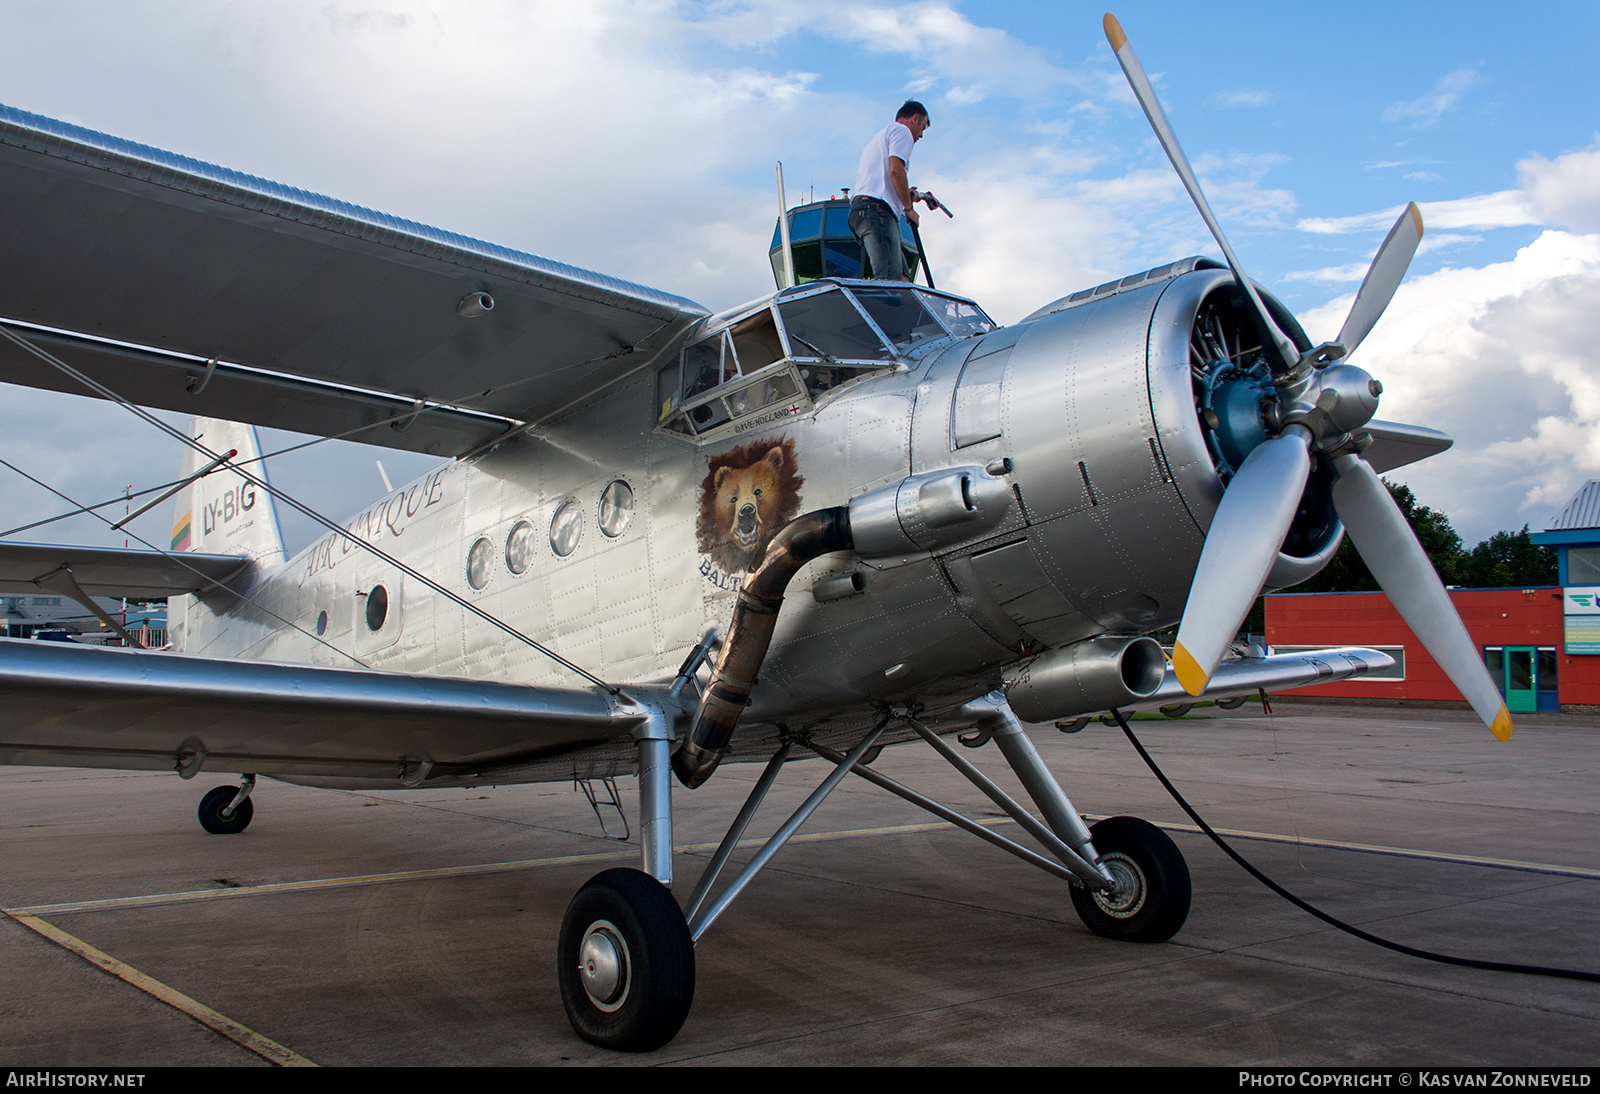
{"x": 180, "y": 533}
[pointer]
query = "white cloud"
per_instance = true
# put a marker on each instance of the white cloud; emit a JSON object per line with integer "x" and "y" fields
{"x": 1429, "y": 108}
{"x": 1438, "y": 241}
{"x": 1333, "y": 274}
{"x": 1242, "y": 98}
{"x": 1502, "y": 209}
{"x": 1566, "y": 190}
{"x": 1504, "y": 359}
{"x": 1423, "y": 176}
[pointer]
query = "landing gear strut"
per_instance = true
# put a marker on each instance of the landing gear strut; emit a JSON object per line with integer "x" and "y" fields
{"x": 625, "y": 961}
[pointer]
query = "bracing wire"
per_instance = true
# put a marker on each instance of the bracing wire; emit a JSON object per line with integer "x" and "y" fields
{"x": 178, "y": 557}
{"x": 300, "y": 507}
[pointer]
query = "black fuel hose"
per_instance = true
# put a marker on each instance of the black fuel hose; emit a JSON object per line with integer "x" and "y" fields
{"x": 1332, "y": 921}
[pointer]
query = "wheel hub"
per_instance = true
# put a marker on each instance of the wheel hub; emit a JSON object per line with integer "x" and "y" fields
{"x": 603, "y": 965}
{"x": 1128, "y": 895}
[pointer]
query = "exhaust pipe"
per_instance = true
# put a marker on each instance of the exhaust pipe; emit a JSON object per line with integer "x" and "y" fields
{"x": 1092, "y": 675}
{"x": 755, "y": 615}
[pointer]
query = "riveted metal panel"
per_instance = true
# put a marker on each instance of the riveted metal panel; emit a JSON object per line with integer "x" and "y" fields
{"x": 1075, "y": 394}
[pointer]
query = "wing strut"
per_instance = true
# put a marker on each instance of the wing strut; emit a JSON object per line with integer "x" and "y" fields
{"x": 60, "y": 580}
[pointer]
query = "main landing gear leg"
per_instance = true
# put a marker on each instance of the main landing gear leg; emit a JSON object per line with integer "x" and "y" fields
{"x": 1129, "y": 880}
{"x": 1148, "y": 898}
{"x": 624, "y": 960}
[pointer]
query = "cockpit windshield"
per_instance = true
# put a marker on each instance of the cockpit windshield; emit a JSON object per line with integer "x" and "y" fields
{"x": 779, "y": 360}
{"x": 829, "y": 325}
{"x": 900, "y": 314}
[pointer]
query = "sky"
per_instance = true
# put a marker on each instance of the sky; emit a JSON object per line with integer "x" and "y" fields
{"x": 639, "y": 138}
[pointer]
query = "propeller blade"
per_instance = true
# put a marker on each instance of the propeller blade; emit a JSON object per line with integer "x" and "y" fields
{"x": 1255, "y": 514}
{"x": 1383, "y": 278}
{"x": 1387, "y": 545}
{"x": 1266, "y": 329}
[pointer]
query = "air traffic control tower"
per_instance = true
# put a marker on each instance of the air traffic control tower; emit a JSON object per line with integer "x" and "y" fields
{"x": 823, "y": 245}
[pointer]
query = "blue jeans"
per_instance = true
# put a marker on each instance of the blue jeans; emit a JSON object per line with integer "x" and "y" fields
{"x": 877, "y": 229}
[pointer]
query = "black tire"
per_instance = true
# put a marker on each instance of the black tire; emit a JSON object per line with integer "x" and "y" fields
{"x": 1153, "y": 905}
{"x": 1177, "y": 710}
{"x": 1232, "y": 704}
{"x": 644, "y": 1006}
{"x": 212, "y": 805}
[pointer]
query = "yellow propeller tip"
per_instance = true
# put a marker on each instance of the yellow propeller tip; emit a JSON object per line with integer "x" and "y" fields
{"x": 1416, "y": 217}
{"x": 1190, "y": 674}
{"x": 1114, "y": 33}
{"x": 1501, "y": 726}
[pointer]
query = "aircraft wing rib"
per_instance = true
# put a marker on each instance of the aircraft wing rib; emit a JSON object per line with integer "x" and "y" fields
{"x": 72, "y": 705}
{"x": 116, "y": 240}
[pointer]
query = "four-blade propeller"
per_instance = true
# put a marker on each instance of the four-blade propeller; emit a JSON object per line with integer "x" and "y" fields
{"x": 1321, "y": 406}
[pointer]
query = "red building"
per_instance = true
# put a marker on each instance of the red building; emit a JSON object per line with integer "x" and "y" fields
{"x": 1519, "y": 630}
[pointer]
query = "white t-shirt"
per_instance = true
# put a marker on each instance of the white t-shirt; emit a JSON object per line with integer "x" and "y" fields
{"x": 872, "y": 175}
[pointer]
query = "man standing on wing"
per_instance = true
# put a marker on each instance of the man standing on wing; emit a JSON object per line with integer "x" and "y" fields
{"x": 882, "y": 193}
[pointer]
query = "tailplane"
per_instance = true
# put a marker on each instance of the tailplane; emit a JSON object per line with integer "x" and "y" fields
{"x": 225, "y": 513}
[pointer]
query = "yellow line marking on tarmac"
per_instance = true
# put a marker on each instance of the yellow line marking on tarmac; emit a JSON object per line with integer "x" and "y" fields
{"x": 448, "y": 871}
{"x": 243, "y": 1036}
{"x": 810, "y": 837}
{"x": 1397, "y": 852}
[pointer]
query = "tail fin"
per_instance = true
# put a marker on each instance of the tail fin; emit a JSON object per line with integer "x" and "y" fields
{"x": 224, "y": 513}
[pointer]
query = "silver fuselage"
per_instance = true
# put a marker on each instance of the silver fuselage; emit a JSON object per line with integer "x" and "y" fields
{"x": 1112, "y": 490}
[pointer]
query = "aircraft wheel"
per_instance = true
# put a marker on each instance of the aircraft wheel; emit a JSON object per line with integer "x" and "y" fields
{"x": 1151, "y": 900}
{"x": 625, "y": 962}
{"x": 1177, "y": 710}
{"x": 1232, "y": 704}
{"x": 212, "y": 805}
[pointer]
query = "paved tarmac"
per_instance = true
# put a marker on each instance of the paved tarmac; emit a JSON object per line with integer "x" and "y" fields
{"x": 864, "y": 947}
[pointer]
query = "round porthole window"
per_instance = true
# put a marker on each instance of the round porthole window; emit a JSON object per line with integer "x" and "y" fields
{"x": 565, "y": 529}
{"x": 322, "y": 624}
{"x": 480, "y": 560}
{"x": 377, "y": 607}
{"x": 519, "y": 547}
{"x": 616, "y": 509}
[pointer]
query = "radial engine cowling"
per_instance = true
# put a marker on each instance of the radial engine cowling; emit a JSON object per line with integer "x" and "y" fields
{"x": 1096, "y": 674}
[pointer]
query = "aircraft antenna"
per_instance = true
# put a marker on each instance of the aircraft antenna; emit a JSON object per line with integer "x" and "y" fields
{"x": 783, "y": 229}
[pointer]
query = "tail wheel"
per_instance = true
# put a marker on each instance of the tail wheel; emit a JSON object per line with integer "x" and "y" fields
{"x": 212, "y": 805}
{"x": 1151, "y": 898}
{"x": 625, "y": 962}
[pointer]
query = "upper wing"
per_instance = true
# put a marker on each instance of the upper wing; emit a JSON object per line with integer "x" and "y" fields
{"x": 81, "y": 706}
{"x": 299, "y": 298}
{"x": 114, "y": 571}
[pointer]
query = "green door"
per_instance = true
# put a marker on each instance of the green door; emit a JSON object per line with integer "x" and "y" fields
{"x": 1522, "y": 690}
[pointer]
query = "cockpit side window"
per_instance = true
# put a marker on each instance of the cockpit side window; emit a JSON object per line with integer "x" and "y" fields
{"x": 667, "y": 388}
{"x": 755, "y": 342}
{"x": 959, "y": 317}
{"x": 705, "y": 365}
{"x": 900, "y": 314}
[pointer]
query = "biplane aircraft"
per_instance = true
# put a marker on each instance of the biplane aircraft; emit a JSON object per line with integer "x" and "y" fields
{"x": 849, "y": 514}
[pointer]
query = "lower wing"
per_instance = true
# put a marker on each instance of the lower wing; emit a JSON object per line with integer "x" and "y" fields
{"x": 81, "y": 706}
